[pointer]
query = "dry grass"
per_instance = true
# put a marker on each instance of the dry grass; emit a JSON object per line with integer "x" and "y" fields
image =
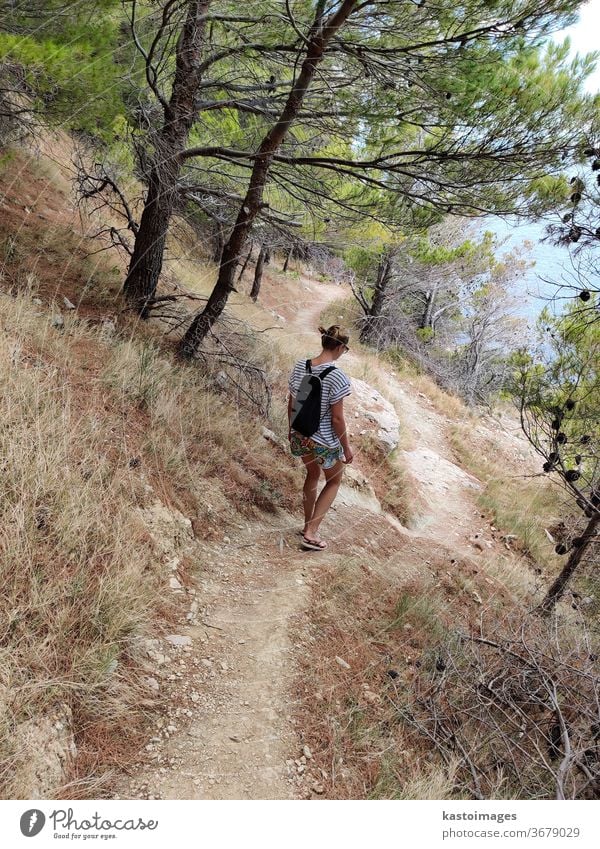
{"x": 448, "y": 405}
{"x": 87, "y": 422}
{"x": 345, "y": 312}
{"x": 386, "y": 624}
{"x": 78, "y": 580}
{"x": 90, "y": 418}
{"x": 519, "y": 505}
{"x": 92, "y": 415}
{"x": 392, "y": 484}
{"x": 195, "y": 434}
{"x": 367, "y": 723}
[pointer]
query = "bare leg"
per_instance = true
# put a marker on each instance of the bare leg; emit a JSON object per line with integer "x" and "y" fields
{"x": 333, "y": 478}
{"x": 309, "y": 493}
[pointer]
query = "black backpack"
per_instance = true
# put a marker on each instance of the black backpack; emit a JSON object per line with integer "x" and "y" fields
{"x": 306, "y": 412}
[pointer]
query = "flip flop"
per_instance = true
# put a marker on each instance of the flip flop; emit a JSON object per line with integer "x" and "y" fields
{"x": 313, "y": 544}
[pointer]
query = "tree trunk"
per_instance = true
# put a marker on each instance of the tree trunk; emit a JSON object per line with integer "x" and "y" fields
{"x": 245, "y": 265}
{"x": 370, "y": 327}
{"x": 558, "y": 587}
{"x": 179, "y": 115}
{"x": 218, "y": 241}
{"x": 318, "y": 38}
{"x": 258, "y": 272}
{"x": 288, "y": 256}
{"x": 425, "y": 321}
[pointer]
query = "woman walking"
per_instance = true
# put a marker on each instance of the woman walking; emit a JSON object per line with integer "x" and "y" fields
{"x": 327, "y": 449}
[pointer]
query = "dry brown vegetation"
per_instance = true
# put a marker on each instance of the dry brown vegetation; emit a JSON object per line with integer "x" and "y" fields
{"x": 450, "y": 690}
{"x": 98, "y": 418}
{"x": 520, "y": 502}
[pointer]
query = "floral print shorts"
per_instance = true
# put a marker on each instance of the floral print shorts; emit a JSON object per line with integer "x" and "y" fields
{"x": 324, "y": 456}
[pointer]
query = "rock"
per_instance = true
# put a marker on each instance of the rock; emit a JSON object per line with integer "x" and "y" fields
{"x": 306, "y": 752}
{"x": 318, "y": 788}
{"x": 272, "y": 437}
{"x": 179, "y": 640}
{"x": 67, "y": 303}
{"x": 43, "y": 750}
{"x": 372, "y": 406}
{"x": 58, "y": 322}
{"x": 174, "y": 583}
{"x": 170, "y": 529}
{"x": 353, "y": 477}
{"x": 152, "y": 684}
{"x": 193, "y": 612}
{"x": 342, "y": 662}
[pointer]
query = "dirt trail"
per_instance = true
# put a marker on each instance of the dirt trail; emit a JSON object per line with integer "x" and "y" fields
{"x": 239, "y": 737}
{"x": 447, "y": 511}
{"x": 230, "y": 727}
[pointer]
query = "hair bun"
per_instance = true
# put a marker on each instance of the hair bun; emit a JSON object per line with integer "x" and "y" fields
{"x": 333, "y": 336}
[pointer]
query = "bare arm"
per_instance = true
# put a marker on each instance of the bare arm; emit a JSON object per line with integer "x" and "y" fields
{"x": 290, "y": 407}
{"x": 339, "y": 426}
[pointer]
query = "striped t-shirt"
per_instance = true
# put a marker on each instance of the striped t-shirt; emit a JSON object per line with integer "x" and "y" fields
{"x": 335, "y": 387}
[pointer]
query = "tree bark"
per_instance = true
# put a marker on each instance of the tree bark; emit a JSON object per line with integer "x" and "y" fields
{"x": 428, "y": 311}
{"x": 287, "y": 258}
{"x": 218, "y": 241}
{"x": 258, "y": 272}
{"x": 369, "y": 329}
{"x": 318, "y": 39}
{"x": 246, "y": 261}
{"x": 558, "y": 587}
{"x": 179, "y": 115}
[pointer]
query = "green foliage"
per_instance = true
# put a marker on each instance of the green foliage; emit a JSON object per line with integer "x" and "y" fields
{"x": 429, "y": 252}
{"x": 558, "y": 389}
{"x": 425, "y": 334}
{"x": 68, "y": 64}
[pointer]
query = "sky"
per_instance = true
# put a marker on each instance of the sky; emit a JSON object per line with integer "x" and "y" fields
{"x": 584, "y": 38}
{"x": 551, "y": 262}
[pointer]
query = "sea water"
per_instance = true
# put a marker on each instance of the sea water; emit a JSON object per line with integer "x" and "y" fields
{"x": 553, "y": 266}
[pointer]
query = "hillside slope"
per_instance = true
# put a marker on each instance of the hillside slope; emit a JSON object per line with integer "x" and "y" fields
{"x": 219, "y": 660}
{"x": 241, "y": 724}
